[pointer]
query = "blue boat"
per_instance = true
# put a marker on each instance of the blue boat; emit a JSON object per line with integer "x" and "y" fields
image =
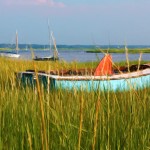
{"x": 117, "y": 82}
{"x": 104, "y": 77}
{"x": 120, "y": 82}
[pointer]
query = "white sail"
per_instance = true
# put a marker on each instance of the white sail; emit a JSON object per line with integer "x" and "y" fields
{"x": 12, "y": 54}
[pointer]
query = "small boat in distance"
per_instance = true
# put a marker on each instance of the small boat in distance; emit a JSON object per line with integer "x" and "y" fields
{"x": 53, "y": 57}
{"x": 103, "y": 78}
{"x": 12, "y": 54}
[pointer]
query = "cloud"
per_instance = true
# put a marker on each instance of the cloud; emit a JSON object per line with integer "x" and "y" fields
{"x": 54, "y": 4}
{"x": 50, "y": 3}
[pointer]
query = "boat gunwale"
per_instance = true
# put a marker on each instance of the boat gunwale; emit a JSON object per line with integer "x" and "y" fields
{"x": 120, "y": 76}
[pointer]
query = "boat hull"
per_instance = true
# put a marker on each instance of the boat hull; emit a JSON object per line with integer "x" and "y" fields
{"x": 112, "y": 85}
{"x": 45, "y": 59}
{"x": 119, "y": 82}
{"x": 11, "y": 55}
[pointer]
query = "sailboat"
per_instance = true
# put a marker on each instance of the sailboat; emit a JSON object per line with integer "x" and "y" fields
{"x": 53, "y": 57}
{"x": 12, "y": 54}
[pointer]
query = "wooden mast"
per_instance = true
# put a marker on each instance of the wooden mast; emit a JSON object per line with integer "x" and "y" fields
{"x": 55, "y": 47}
{"x": 17, "y": 48}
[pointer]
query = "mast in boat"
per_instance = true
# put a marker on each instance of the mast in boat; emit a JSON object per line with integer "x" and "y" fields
{"x": 50, "y": 42}
{"x": 55, "y": 47}
{"x": 17, "y": 48}
{"x": 26, "y": 47}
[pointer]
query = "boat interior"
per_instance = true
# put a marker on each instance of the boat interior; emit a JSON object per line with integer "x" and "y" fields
{"x": 89, "y": 71}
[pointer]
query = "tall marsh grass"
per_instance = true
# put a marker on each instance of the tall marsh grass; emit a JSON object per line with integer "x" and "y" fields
{"x": 73, "y": 119}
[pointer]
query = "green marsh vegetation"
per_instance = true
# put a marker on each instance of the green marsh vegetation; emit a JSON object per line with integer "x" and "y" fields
{"x": 120, "y": 50}
{"x": 88, "y": 50}
{"x": 72, "y": 119}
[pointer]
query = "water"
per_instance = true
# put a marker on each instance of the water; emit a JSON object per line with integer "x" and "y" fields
{"x": 80, "y": 55}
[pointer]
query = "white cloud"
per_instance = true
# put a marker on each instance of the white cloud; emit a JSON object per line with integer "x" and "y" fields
{"x": 54, "y": 4}
{"x": 50, "y": 3}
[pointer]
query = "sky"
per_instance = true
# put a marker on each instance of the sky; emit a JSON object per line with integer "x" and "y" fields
{"x": 84, "y": 22}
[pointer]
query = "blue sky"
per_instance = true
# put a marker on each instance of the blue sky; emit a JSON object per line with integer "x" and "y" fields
{"x": 76, "y": 21}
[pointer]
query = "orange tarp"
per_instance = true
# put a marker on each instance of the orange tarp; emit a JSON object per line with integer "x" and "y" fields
{"x": 105, "y": 66}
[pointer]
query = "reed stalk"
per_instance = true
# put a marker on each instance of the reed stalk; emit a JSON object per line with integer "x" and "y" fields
{"x": 139, "y": 62}
{"x": 108, "y": 118}
{"x": 43, "y": 131}
{"x": 81, "y": 121}
{"x": 29, "y": 137}
{"x": 41, "y": 109}
{"x": 127, "y": 58}
{"x": 95, "y": 124}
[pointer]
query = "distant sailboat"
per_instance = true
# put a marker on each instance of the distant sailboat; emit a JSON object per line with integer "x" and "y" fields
{"x": 26, "y": 48}
{"x": 53, "y": 57}
{"x": 11, "y": 53}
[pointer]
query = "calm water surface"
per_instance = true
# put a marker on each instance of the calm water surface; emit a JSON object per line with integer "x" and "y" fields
{"x": 80, "y": 55}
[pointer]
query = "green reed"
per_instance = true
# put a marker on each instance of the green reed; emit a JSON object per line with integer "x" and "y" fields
{"x": 73, "y": 119}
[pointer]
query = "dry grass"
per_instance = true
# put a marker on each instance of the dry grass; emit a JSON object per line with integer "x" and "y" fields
{"x": 119, "y": 121}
